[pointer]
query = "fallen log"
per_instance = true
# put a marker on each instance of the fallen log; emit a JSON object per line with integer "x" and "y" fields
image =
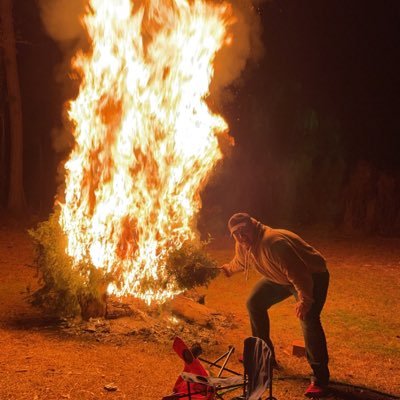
{"x": 191, "y": 311}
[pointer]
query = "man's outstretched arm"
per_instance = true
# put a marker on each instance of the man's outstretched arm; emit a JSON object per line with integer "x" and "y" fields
{"x": 237, "y": 264}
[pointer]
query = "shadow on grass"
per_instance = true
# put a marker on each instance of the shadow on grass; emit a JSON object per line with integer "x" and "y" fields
{"x": 350, "y": 392}
{"x": 38, "y": 322}
{"x": 346, "y": 391}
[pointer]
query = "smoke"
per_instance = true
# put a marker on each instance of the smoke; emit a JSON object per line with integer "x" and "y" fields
{"x": 61, "y": 20}
{"x": 246, "y": 48}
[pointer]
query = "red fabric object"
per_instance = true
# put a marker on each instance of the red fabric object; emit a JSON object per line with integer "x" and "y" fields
{"x": 194, "y": 366}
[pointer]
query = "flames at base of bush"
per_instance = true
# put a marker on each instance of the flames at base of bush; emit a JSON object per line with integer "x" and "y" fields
{"x": 68, "y": 289}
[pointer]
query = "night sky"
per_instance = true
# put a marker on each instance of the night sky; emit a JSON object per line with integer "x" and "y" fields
{"x": 345, "y": 58}
{"x": 324, "y": 96}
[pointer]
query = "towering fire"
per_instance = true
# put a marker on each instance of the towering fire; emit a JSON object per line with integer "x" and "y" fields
{"x": 145, "y": 139}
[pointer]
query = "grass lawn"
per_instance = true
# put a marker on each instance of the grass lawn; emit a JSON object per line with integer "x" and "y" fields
{"x": 361, "y": 320}
{"x": 361, "y": 316}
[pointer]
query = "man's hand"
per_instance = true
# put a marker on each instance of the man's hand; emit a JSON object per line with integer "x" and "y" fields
{"x": 301, "y": 310}
{"x": 225, "y": 269}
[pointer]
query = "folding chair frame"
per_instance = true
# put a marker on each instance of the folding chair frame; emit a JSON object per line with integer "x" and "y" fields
{"x": 213, "y": 391}
{"x": 213, "y": 387}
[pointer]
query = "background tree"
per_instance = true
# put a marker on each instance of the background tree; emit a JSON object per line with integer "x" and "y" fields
{"x": 16, "y": 198}
{"x": 3, "y": 138}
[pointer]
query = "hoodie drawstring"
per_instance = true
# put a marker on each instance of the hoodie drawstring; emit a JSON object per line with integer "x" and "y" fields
{"x": 246, "y": 263}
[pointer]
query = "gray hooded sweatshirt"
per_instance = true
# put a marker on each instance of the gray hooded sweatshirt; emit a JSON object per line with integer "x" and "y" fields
{"x": 282, "y": 257}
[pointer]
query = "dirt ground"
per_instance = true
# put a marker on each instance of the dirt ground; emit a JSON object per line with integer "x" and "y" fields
{"x": 41, "y": 358}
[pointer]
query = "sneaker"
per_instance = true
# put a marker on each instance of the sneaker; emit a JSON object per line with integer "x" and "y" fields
{"x": 315, "y": 391}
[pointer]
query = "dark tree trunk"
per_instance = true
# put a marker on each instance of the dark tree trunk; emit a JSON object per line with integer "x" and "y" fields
{"x": 3, "y": 159}
{"x": 16, "y": 197}
{"x": 3, "y": 139}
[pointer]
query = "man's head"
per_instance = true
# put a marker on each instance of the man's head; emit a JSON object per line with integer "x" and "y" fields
{"x": 242, "y": 228}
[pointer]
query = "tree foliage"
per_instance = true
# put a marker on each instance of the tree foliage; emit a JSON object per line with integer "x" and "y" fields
{"x": 68, "y": 289}
{"x": 191, "y": 266}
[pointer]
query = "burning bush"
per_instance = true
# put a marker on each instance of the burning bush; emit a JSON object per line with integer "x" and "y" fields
{"x": 191, "y": 266}
{"x": 66, "y": 290}
{"x": 70, "y": 289}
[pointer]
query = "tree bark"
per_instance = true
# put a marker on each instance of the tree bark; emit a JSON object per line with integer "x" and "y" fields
{"x": 3, "y": 139}
{"x": 16, "y": 196}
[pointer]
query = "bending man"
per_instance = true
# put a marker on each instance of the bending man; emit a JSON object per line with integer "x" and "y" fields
{"x": 289, "y": 266}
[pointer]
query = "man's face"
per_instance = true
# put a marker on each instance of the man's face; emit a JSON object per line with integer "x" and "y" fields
{"x": 244, "y": 236}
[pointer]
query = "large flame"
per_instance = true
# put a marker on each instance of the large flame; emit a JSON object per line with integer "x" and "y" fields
{"x": 145, "y": 139}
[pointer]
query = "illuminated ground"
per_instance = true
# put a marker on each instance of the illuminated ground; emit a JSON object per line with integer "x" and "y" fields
{"x": 41, "y": 360}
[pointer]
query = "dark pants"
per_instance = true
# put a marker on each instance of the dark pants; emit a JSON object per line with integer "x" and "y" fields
{"x": 266, "y": 293}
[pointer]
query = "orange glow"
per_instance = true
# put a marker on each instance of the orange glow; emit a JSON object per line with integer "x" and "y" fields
{"x": 145, "y": 139}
